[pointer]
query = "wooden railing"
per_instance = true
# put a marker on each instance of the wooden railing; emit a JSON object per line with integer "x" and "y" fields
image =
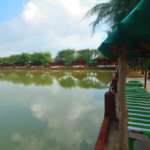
{"x": 109, "y": 116}
{"x": 102, "y": 138}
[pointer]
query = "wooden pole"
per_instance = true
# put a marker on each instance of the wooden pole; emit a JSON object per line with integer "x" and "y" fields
{"x": 123, "y": 115}
{"x": 145, "y": 79}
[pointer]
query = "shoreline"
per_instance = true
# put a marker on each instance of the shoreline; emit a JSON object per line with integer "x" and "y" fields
{"x": 104, "y": 67}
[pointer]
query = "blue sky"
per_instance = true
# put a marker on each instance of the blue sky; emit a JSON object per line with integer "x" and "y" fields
{"x": 10, "y": 8}
{"x": 46, "y": 25}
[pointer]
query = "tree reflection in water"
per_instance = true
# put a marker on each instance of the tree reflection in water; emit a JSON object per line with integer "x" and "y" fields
{"x": 67, "y": 79}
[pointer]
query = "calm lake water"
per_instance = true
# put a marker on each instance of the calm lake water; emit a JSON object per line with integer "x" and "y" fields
{"x": 51, "y": 110}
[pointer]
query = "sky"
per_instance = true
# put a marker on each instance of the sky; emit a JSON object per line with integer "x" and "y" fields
{"x": 47, "y": 25}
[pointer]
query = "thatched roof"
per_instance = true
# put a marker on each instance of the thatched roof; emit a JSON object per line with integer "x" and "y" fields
{"x": 132, "y": 33}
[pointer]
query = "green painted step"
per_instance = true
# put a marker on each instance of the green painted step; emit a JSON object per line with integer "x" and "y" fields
{"x": 139, "y": 126}
{"x": 138, "y": 94}
{"x": 137, "y": 101}
{"x": 137, "y": 116}
{"x": 139, "y": 112}
{"x": 138, "y": 121}
{"x": 138, "y": 105}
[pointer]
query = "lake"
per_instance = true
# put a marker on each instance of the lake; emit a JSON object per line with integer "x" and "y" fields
{"x": 51, "y": 110}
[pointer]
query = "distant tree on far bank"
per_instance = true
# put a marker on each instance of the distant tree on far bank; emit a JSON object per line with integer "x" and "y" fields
{"x": 40, "y": 59}
{"x": 89, "y": 56}
{"x": 70, "y": 56}
{"x": 26, "y": 59}
{"x": 67, "y": 56}
{"x": 85, "y": 55}
{"x": 23, "y": 59}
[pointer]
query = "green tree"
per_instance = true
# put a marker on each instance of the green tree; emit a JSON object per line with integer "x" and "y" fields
{"x": 85, "y": 55}
{"x": 88, "y": 55}
{"x": 67, "y": 55}
{"x": 6, "y": 61}
{"x": 12, "y": 59}
{"x": 40, "y": 58}
{"x": 22, "y": 59}
{"x": 27, "y": 59}
{"x": 95, "y": 56}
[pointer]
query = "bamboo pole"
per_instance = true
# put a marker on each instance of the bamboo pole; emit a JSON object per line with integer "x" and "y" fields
{"x": 145, "y": 78}
{"x": 123, "y": 115}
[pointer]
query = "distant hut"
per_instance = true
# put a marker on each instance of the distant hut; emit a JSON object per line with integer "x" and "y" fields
{"x": 79, "y": 63}
{"x": 57, "y": 63}
{"x": 105, "y": 62}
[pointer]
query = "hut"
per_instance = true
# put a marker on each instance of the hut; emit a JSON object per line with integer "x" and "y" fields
{"x": 130, "y": 39}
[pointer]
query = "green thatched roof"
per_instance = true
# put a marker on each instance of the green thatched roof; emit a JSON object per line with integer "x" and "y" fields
{"x": 133, "y": 33}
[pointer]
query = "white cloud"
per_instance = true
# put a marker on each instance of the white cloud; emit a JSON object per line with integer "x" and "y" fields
{"x": 74, "y": 7}
{"x": 49, "y": 25}
{"x": 33, "y": 14}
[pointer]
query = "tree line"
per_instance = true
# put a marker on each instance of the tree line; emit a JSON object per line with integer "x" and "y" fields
{"x": 26, "y": 59}
{"x": 65, "y": 57}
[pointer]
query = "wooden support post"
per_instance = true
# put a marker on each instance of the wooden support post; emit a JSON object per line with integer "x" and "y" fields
{"x": 145, "y": 78}
{"x": 123, "y": 115}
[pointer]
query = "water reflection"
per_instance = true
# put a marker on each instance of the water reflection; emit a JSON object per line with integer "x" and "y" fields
{"x": 66, "y": 79}
{"x": 27, "y": 77}
{"x": 58, "y": 114}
